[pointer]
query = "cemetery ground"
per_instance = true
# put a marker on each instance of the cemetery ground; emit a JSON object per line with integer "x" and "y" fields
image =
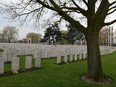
{"x": 53, "y": 75}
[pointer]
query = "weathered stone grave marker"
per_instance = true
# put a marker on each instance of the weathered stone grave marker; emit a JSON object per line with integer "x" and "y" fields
{"x": 28, "y": 62}
{"x": 15, "y": 64}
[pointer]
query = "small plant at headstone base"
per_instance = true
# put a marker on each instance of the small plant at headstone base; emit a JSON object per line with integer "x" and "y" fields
{"x": 1, "y": 50}
{"x": 15, "y": 72}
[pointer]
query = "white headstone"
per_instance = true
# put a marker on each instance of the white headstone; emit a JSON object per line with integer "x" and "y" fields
{"x": 1, "y": 65}
{"x": 38, "y": 60}
{"x": 0, "y": 54}
{"x": 75, "y": 57}
{"x": 15, "y": 64}
{"x": 35, "y": 54}
{"x": 5, "y": 56}
{"x": 45, "y": 52}
{"x": 65, "y": 58}
{"x": 10, "y": 56}
{"x": 14, "y": 54}
{"x": 28, "y": 62}
{"x": 80, "y": 56}
{"x": 58, "y": 57}
{"x": 71, "y": 58}
{"x": 84, "y": 55}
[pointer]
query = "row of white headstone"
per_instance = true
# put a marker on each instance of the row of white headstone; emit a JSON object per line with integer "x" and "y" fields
{"x": 15, "y": 63}
{"x": 70, "y": 58}
{"x": 58, "y": 51}
{"x": 49, "y": 52}
{"x": 46, "y": 53}
{"x": 107, "y": 51}
{"x": 73, "y": 57}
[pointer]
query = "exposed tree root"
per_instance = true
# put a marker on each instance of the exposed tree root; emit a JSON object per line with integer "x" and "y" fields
{"x": 104, "y": 80}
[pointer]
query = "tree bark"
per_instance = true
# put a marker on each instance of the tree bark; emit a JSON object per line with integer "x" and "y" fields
{"x": 94, "y": 70}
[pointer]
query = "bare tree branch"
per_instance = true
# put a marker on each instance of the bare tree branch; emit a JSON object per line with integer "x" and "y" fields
{"x": 111, "y": 12}
{"x": 109, "y": 23}
{"x": 84, "y": 12}
{"x": 112, "y": 8}
{"x": 69, "y": 8}
{"x": 66, "y": 9}
{"x": 103, "y": 9}
{"x": 68, "y": 18}
{"x": 85, "y": 2}
{"x": 102, "y": 6}
{"x": 47, "y": 6}
{"x": 113, "y": 3}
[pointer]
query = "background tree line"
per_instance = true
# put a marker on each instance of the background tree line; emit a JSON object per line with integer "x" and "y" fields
{"x": 53, "y": 35}
{"x": 9, "y": 34}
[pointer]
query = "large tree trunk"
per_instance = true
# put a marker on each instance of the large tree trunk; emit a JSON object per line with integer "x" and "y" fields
{"x": 94, "y": 62}
{"x": 94, "y": 70}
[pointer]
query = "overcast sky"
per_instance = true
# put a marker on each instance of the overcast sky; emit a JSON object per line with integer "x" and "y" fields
{"x": 26, "y": 29}
{"x": 22, "y": 30}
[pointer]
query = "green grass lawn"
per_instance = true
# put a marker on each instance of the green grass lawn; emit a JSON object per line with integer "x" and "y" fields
{"x": 53, "y": 75}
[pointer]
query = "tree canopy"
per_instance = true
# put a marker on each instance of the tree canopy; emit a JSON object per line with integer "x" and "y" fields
{"x": 74, "y": 34}
{"x": 35, "y": 37}
{"x": 52, "y": 34}
{"x": 10, "y": 33}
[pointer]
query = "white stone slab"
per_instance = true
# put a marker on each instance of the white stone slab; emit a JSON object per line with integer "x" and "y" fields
{"x": 5, "y": 56}
{"x": 58, "y": 61}
{"x": 84, "y": 55}
{"x": 71, "y": 58}
{"x": 35, "y": 54}
{"x": 80, "y": 56}
{"x": 10, "y": 56}
{"x": 75, "y": 57}
{"x": 65, "y": 58}
{"x": 1, "y": 65}
{"x": 15, "y": 64}
{"x": 28, "y": 62}
{"x": 14, "y": 54}
{"x": 37, "y": 62}
{"x": 0, "y": 54}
